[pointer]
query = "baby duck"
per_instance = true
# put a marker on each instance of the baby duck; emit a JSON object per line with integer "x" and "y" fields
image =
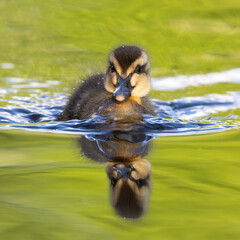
{"x": 128, "y": 171}
{"x": 120, "y": 93}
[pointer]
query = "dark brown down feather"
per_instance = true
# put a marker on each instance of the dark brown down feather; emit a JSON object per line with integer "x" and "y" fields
{"x": 90, "y": 96}
{"x": 86, "y": 99}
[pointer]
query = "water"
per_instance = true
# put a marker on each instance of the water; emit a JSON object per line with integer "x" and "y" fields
{"x": 186, "y": 115}
{"x": 62, "y": 180}
{"x": 183, "y": 81}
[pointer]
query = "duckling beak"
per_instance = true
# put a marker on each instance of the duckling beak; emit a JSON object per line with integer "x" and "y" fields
{"x": 122, "y": 170}
{"x": 123, "y": 89}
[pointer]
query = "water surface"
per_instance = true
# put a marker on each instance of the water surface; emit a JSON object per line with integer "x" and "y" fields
{"x": 53, "y": 187}
{"x": 49, "y": 190}
{"x": 186, "y": 115}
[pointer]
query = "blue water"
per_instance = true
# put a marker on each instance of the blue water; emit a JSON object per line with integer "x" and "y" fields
{"x": 28, "y": 105}
{"x": 180, "y": 116}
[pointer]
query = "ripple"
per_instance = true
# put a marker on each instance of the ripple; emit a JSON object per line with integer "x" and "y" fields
{"x": 177, "y": 117}
{"x": 38, "y": 109}
{"x": 184, "y": 81}
{"x": 7, "y": 65}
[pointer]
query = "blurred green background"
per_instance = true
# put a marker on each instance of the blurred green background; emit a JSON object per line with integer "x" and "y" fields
{"x": 49, "y": 190}
{"x": 68, "y": 38}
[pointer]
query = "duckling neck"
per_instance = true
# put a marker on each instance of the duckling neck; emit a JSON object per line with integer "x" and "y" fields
{"x": 136, "y": 99}
{"x": 130, "y": 109}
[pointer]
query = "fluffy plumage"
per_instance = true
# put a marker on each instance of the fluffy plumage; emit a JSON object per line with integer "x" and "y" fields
{"x": 120, "y": 93}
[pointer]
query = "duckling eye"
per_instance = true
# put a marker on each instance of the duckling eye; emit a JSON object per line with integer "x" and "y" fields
{"x": 112, "y": 68}
{"x": 140, "y": 182}
{"x": 113, "y": 181}
{"x": 139, "y": 69}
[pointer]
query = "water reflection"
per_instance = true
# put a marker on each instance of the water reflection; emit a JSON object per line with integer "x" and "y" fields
{"x": 127, "y": 170}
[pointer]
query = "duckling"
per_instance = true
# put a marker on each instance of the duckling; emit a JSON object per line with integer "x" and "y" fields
{"x": 120, "y": 93}
{"x": 115, "y": 146}
{"x": 130, "y": 186}
{"x": 128, "y": 172}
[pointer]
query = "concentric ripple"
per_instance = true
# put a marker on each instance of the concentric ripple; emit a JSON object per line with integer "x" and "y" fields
{"x": 38, "y": 109}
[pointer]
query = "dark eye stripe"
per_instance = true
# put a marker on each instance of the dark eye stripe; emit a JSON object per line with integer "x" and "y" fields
{"x": 140, "y": 68}
{"x": 113, "y": 181}
{"x": 112, "y": 67}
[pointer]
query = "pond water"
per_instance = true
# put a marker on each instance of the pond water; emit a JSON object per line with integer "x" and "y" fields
{"x": 186, "y": 115}
{"x": 62, "y": 180}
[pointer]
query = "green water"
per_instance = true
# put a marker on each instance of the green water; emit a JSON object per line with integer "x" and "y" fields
{"x": 49, "y": 190}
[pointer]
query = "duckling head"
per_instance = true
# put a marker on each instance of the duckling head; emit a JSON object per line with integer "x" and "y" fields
{"x": 128, "y": 73}
{"x": 130, "y": 187}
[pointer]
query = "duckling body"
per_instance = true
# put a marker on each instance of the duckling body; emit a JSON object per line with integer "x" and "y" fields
{"x": 129, "y": 110}
{"x": 86, "y": 99}
{"x": 112, "y": 94}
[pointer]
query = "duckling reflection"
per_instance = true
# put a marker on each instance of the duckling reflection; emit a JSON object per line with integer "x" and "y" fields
{"x": 130, "y": 187}
{"x": 127, "y": 170}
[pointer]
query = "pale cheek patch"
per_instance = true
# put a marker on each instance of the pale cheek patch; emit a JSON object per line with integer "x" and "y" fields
{"x": 109, "y": 84}
{"x": 142, "y": 86}
{"x": 142, "y": 167}
{"x": 114, "y": 79}
{"x": 134, "y": 80}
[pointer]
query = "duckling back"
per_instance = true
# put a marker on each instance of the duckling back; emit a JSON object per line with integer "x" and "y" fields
{"x": 86, "y": 99}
